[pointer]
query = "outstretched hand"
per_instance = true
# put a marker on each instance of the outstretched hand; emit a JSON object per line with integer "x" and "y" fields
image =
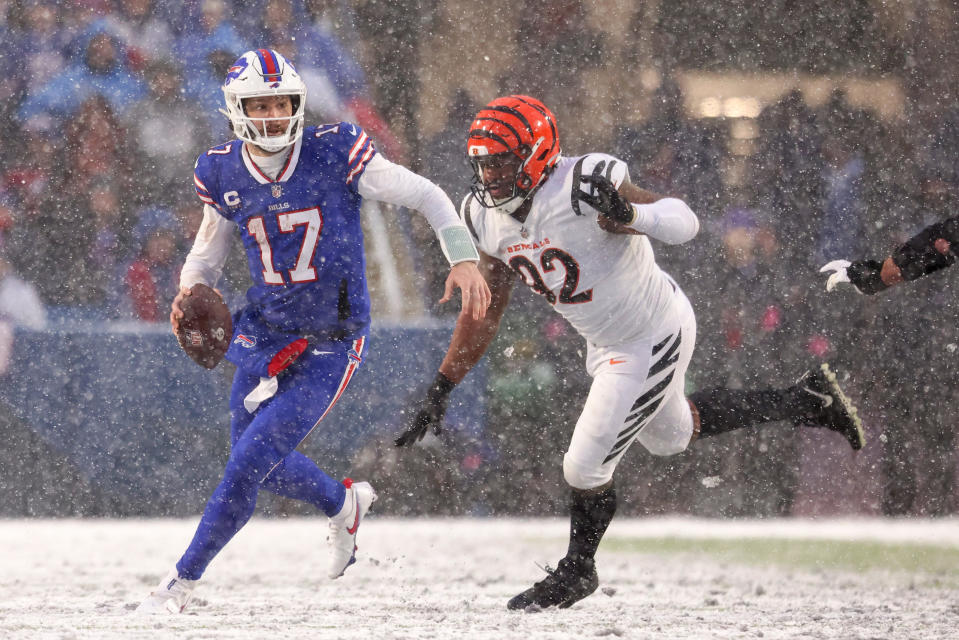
{"x": 472, "y": 285}
{"x": 837, "y": 270}
{"x": 606, "y": 199}
{"x": 864, "y": 275}
{"x": 428, "y": 413}
{"x": 426, "y": 418}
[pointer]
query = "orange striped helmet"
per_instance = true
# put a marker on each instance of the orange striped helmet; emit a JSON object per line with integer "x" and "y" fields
{"x": 512, "y": 131}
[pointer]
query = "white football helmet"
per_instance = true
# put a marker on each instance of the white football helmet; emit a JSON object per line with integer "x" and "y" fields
{"x": 263, "y": 72}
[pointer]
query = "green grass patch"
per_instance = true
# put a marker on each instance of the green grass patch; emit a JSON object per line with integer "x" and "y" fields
{"x": 807, "y": 554}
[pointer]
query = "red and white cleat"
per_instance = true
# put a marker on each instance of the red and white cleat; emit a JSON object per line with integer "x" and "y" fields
{"x": 345, "y": 524}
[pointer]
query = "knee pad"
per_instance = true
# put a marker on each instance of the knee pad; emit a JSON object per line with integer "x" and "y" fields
{"x": 585, "y": 477}
{"x": 671, "y": 431}
{"x": 664, "y": 448}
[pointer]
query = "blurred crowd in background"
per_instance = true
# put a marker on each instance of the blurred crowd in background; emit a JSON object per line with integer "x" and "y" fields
{"x": 105, "y": 105}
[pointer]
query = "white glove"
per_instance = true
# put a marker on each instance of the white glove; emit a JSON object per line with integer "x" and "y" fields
{"x": 838, "y": 269}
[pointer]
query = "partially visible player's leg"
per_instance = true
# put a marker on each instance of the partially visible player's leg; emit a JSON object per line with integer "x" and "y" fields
{"x": 815, "y": 400}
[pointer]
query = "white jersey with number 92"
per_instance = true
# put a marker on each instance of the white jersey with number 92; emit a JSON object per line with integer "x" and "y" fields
{"x": 607, "y": 285}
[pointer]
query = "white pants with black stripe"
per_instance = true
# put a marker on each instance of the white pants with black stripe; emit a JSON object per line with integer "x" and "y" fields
{"x": 637, "y": 394}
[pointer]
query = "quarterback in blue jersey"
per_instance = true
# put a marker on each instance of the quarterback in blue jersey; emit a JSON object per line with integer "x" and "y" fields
{"x": 295, "y": 193}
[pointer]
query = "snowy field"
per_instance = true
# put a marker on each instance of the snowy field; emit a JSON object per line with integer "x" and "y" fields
{"x": 439, "y": 579}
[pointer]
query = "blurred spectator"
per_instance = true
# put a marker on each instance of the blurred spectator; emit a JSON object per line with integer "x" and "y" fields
{"x": 19, "y": 306}
{"x": 96, "y": 147}
{"x": 196, "y": 87}
{"x": 752, "y": 314}
{"x": 151, "y": 279}
{"x": 100, "y": 70}
{"x": 842, "y": 226}
{"x": 337, "y": 18}
{"x": 79, "y": 14}
{"x": 557, "y": 45}
{"x": 77, "y": 247}
{"x": 145, "y": 36}
{"x": 447, "y": 166}
{"x": 697, "y": 148}
{"x": 105, "y": 246}
{"x": 787, "y": 176}
{"x": 188, "y": 215}
{"x": 167, "y": 132}
{"x": 13, "y": 83}
{"x": 212, "y": 30}
{"x": 394, "y": 55}
{"x": 30, "y": 176}
{"x": 44, "y": 42}
{"x": 843, "y": 218}
{"x": 673, "y": 155}
{"x": 336, "y": 84}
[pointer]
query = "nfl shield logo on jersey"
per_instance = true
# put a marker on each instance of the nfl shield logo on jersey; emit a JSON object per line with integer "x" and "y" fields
{"x": 277, "y": 190}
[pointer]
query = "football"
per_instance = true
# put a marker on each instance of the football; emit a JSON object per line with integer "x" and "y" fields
{"x": 206, "y": 327}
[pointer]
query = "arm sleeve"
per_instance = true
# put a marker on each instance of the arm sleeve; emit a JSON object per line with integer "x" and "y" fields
{"x": 388, "y": 182}
{"x": 918, "y": 256}
{"x": 669, "y": 220}
{"x": 211, "y": 247}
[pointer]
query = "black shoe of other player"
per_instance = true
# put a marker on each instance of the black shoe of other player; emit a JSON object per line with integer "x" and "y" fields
{"x": 838, "y": 412}
{"x": 570, "y": 582}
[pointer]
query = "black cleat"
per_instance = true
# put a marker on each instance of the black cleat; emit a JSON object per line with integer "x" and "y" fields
{"x": 570, "y": 582}
{"x": 838, "y": 412}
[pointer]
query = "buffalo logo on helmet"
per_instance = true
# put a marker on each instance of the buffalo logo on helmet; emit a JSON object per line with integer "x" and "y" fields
{"x": 234, "y": 72}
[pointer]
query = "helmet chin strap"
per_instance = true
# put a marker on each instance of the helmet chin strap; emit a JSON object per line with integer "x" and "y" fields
{"x": 513, "y": 204}
{"x": 532, "y": 152}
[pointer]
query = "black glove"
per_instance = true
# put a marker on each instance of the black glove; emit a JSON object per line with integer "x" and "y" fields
{"x": 604, "y": 197}
{"x": 865, "y": 275}
{"x": 429, "y": 413}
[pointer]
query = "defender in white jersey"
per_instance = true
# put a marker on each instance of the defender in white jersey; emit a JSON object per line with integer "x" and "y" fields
{"x": 578, "y": 232}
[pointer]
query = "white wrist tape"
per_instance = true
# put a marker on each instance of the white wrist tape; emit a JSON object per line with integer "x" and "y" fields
{"x": 457, "y": 245}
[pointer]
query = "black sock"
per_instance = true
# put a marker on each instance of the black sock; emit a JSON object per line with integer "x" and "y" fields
{"x": 589, "y": 515}
{"x": 722, "y": 410}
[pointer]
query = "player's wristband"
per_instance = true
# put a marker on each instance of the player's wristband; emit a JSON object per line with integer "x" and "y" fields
{"x": 440, "y": 390}
{"x": 866, "y": 275}
{"x": 457, "y": 245}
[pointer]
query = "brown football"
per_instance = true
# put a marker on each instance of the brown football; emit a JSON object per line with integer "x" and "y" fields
{"x": 206, "y": 327}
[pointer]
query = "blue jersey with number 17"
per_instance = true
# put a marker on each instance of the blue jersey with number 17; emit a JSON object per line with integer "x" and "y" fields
{"x": 301, "y": 231}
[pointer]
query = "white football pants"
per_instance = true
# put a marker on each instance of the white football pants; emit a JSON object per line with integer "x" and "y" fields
{"x": 637, "y": 394}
